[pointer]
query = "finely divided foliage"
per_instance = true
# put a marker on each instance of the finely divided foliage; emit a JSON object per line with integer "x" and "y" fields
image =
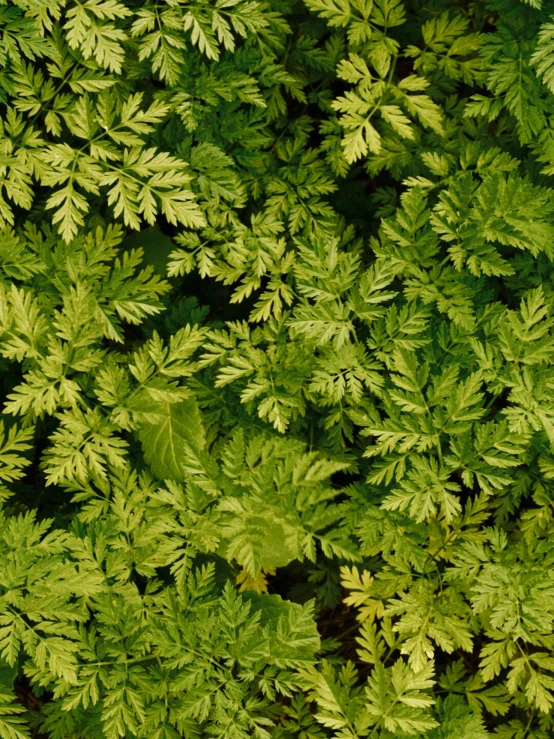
{"x": 276, "y": 369}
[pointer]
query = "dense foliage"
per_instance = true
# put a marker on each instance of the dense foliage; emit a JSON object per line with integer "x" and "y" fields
{"x": 277, "y": 369}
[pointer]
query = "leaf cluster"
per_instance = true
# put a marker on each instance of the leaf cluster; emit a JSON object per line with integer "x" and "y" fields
{"x": 276, "y": 369}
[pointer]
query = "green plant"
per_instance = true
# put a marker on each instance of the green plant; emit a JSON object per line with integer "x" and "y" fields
{"x": 277, "y": 369}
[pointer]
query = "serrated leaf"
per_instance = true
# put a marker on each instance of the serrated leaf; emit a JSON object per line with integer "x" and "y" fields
{"x": 170, "y": 428}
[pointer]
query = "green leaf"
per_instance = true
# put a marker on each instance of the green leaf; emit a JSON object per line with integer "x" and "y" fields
{"x": 12, "y": 724}
{"x": 169, "y": 429}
